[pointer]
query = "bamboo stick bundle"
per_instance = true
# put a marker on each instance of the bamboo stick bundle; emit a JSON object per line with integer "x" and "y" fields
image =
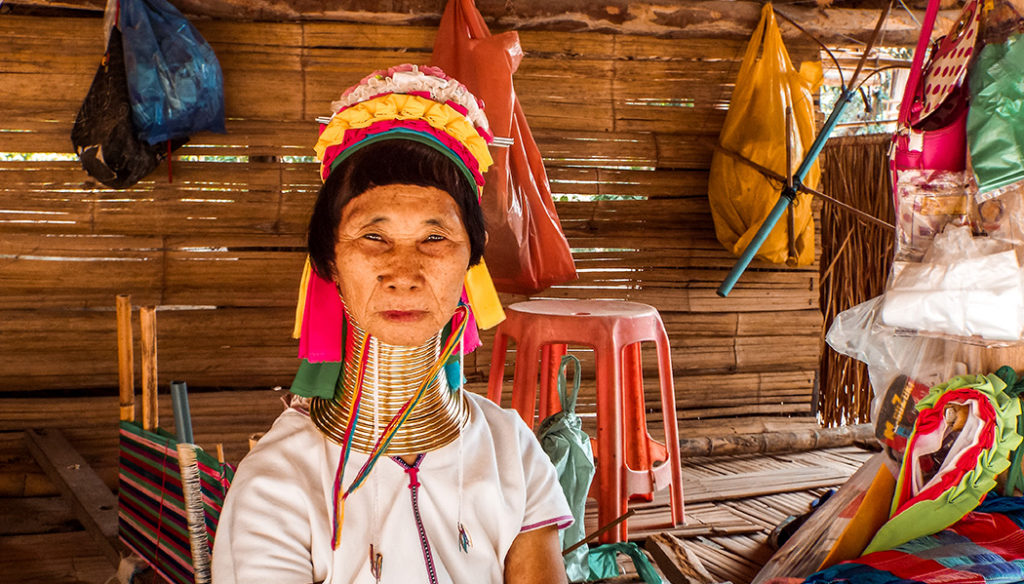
{"x": 855, "y": 260}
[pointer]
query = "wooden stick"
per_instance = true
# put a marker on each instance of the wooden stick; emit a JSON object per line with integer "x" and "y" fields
{"x": 254, "y": 438}
{"x": 150, "y": 411}
{"x": 125, "y": 357}
{"x": 599, "y": 532}
{"x": 677, "y": 562}
{"x": 790, "y": 216}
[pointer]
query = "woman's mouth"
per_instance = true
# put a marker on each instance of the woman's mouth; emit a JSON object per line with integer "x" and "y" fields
{"x": 404, "y": 315}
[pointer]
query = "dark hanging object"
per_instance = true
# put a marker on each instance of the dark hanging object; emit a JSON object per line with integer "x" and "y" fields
{"x": 104, "y": 135}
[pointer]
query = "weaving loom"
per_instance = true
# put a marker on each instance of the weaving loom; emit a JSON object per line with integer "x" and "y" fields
{"x": 170, "y": 492}
{"x": 152, "y": 517}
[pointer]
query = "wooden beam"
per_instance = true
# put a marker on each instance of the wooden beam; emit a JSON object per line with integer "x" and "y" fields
{"x": 664, "y": 18}
{"x": 93, "y": 503}
{"x": 775, "y": 442}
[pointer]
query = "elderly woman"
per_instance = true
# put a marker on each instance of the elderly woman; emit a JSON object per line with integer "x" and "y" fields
{"x": 385, "y": 470}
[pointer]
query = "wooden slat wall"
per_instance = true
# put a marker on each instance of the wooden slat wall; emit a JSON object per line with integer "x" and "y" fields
{"x": 222, "y": 243}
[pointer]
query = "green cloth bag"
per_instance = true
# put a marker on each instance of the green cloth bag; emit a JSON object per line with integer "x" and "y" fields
{"x": 995, "y": 121}
{"x": 562, "y": 437}
{"x": 603, "y": 564}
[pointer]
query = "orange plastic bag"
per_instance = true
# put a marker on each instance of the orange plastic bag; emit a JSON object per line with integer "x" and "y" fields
{"x": 755, "y": 128}
{"x": 526, "y": 249}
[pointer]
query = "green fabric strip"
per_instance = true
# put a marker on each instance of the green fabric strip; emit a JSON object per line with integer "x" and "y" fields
{"x": 316, "y": 379}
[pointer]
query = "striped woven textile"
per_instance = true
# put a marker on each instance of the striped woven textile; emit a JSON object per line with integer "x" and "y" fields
{"x": 985, "y": 547}
{"x": 151, "y": 510}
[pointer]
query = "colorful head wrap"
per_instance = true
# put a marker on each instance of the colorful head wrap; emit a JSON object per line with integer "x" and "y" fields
{"x": 406, "y": 102}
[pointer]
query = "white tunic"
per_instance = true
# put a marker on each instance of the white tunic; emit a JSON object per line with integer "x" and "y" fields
{"x": 277, "y": 519}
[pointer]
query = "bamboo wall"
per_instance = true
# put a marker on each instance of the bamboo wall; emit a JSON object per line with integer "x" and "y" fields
{"x": 220, "y": 247}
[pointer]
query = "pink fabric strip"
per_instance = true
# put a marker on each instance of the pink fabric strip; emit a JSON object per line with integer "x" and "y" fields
{"x": 471, "y": 338}
{"x": 320, "y": 339}
{"x": 559, "y": 522}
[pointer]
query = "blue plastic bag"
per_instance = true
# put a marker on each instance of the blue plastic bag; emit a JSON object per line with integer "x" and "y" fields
{"x": 174, "y": 79}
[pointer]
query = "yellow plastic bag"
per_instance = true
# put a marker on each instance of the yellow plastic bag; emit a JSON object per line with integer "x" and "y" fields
{"x": 755, "y": 127}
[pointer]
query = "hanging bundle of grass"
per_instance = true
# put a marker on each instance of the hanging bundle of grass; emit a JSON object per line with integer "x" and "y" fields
{"x": 855, "y": 260}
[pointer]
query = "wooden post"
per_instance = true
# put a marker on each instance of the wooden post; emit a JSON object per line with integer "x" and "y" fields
{"x": 125, "y": 357}
{"x": 150, "y": 412}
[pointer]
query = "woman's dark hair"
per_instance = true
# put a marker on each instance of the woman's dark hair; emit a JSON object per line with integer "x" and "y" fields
{"x": 386, "y": 163}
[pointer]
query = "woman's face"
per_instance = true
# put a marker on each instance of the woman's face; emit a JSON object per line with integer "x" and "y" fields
{"x": 401, "y": 258}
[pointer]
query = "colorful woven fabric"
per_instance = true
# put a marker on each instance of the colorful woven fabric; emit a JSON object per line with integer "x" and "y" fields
{"x": 985, "y": 547}
{"x": 151, "y": 515}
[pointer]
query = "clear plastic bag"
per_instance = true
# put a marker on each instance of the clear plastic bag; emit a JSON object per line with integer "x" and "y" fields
{"x": 928, "y": 201}
{"x": 963, "y": 286}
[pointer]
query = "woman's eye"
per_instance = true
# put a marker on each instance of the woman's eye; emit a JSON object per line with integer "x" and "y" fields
{"x": 435, "y": 237}
{"x": 373, "y": 237}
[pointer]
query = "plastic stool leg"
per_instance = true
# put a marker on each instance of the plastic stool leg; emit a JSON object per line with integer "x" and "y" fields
{"x": 636, "y": 442}
{"x": 668, "y": 407}
{"x": 611, "y": 503}
{"x": 496, "y": 378}
{"x": 550, "y": 361}
{"x": 524, "y": 385}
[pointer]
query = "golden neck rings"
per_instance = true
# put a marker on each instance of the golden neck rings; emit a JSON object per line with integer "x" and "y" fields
{"x": 392, "y": 377}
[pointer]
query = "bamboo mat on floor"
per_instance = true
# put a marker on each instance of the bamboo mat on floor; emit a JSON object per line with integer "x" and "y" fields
{"x": 733, "y": 503}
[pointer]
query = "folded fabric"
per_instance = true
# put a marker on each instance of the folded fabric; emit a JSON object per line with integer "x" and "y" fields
{"x": 965, "y": 431}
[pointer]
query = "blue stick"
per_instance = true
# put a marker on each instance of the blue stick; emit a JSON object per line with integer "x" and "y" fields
{"x": 784, "y": 199}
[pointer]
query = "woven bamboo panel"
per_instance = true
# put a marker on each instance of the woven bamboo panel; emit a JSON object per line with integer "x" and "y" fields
{"x": 624, "y": 124}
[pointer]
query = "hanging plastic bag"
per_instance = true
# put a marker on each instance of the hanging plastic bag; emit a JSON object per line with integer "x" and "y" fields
{"x": 568, "y": 446}
{"x": 995, "y": 123}
{"x": 755, "y": 128}
{"x": 526, "y": 250}
{"x": 174, "y": 78}
{"x": 103, "y": 134}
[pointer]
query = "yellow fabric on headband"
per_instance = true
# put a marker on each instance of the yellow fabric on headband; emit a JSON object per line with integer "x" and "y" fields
{"x": 483, "y": 298}
{"x": 399, "y": 106}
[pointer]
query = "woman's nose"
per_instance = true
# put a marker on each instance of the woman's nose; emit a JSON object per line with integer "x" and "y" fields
{"x": 402, "y": 270}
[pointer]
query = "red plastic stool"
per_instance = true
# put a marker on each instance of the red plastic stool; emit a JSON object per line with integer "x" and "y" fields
{"x": 626, "y": 454}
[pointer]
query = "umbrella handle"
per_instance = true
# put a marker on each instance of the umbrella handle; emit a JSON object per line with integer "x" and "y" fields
{"x": 568, "y": 402}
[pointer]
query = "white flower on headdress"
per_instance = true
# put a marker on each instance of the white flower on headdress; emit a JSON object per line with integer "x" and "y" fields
{"x": 411, "y": 78}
